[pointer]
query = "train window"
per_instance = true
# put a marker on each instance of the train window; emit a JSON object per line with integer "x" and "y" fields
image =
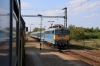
{"x": 21, "y": 24}
{"x": 49, "y": 32}
{"x": 65, "y": 32}
{"x": 52, "y": 32}
{"x": 45, "y": 32}
{"x": 4, "y": 32}
{"x": 58, "y": 32}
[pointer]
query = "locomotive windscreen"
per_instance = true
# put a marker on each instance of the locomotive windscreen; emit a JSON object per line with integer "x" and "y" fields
{"x": 57, "y": 31}
{"x": 62, "y": 32}
{"x": 65, "y": 32}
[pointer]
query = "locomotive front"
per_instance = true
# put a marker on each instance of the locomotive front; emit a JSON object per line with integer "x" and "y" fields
{"x": 61, "y": 38}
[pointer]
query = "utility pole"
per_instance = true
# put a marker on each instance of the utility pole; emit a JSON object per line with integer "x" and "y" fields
{"x": 30, "y": 27}
{"x": 65, "y": 17}
{"x": 40, "y": 29}
{"x": 44, "y": 27}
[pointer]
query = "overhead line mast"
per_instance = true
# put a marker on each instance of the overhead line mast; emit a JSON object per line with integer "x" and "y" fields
{"x": 43, "y": 16}
{"x": 65, "y": 17}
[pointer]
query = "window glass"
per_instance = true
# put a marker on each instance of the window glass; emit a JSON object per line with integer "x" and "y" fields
{"x": 14, "y": 39}
{"x": 62, "y": 32}
{"x": 57, "y": 31}
{"x": 4, "y": 32}
{"x": 65, "y": 32}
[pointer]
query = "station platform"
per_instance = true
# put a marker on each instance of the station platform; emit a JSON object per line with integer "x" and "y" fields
{"x": 47, "y": 56}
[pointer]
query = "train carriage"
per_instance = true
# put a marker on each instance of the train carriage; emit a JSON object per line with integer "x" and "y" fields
{"x": 56, "y": 36}
{"x": 37, "y": 35}
{"x": 12, "y": 34}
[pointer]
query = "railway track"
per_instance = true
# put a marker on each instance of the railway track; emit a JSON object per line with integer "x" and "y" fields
{"x": 90, "y": 57}
{"x": 85, "y": 54}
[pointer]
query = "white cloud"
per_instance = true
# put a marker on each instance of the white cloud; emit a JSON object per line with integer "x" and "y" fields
{"x": 76, "y": 2}
{"x": 92, "y": 15}
{"x": 25, "y": 5}
{"x": 83, "y": 5}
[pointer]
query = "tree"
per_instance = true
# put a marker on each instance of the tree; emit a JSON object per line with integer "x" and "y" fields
{"x": 76, "y": 33}
{"x": 96, "y": 29}
{"x": 37, "y": 29}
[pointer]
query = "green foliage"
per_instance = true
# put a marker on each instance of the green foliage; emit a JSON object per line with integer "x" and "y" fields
{"x": 92, "y": 35}
{"x": 76, "y": 33}
{"x": 80, "y": 33}
{"x": 37, "y": 29}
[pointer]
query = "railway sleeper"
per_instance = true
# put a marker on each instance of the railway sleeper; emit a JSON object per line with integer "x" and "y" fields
{"x": 93, "y": 58}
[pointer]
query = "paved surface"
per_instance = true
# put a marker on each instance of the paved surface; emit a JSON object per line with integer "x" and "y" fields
{"x": 47, "y": 56}
{"x": 35, "y": 61}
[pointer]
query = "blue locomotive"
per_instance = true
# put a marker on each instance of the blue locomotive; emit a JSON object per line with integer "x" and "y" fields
{"x": 57, "y": 36}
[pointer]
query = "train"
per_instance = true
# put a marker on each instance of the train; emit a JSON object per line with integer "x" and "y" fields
{"x": 12, "y": 34}
{"x": 4, "y": 35}
{"x": 57, "y": 36}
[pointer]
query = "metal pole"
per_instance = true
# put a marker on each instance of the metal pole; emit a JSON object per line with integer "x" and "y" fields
{"x": 40, "y": 31}
{"x": 44, "y": 27}
{"x": 30, "y": 28}
{"x": 65, "y": 17}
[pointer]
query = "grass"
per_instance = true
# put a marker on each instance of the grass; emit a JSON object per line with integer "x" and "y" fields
{"x": 94, "y": 43}
{"x": 97, "y": 40}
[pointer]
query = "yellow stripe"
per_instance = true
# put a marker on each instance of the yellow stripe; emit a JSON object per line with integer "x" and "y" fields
{"x": 65, "y": 37}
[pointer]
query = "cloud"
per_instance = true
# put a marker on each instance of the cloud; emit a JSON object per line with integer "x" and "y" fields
{"x": 76, "y": 2}
{"x": 25, "y": 5}
{"x": 83, "y": 5}
{"x": 92, "y": 15}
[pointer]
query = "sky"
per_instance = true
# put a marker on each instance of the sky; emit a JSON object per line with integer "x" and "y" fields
{"x": 81, "y": 13}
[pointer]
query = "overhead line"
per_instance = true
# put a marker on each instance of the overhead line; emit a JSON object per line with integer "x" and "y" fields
{"x": 79, "y": 5}
{"x": 43, "y": 16}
